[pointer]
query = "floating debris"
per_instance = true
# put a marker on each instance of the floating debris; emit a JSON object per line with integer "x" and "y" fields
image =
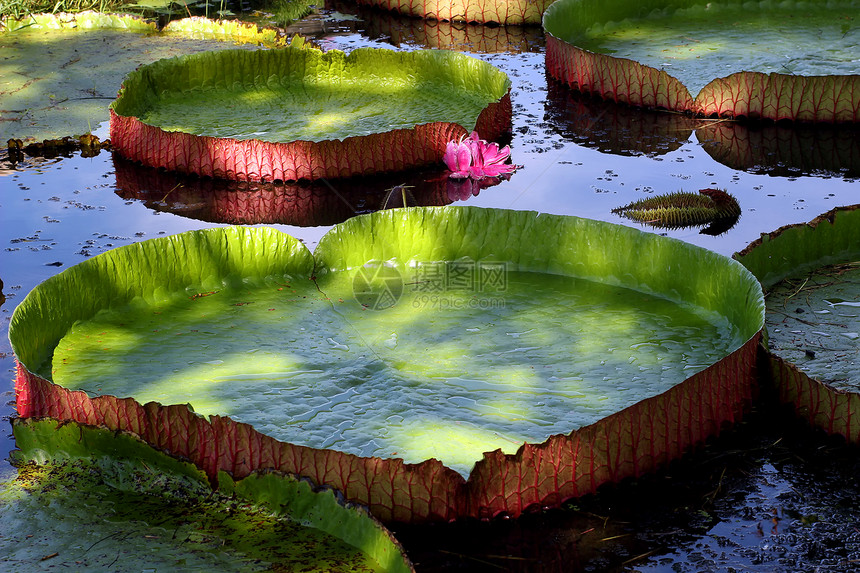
{"x": 88, "y": 144}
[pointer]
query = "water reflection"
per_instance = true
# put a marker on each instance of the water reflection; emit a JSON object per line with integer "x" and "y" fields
{"x": 613, "y": 128}
{"x": 771, "y": 149}
{"x": 460, "y": 36}
{"x": 819, "y": 150}
{"x": 302, "y": 204}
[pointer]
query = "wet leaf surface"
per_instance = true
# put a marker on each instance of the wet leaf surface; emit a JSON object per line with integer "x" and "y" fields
{"x": 814, "y": 322}
{"x": 444, "y": 373}
{"x": 116, "y": 515}
{"x": 703, "y": 42}
{"x": 61, "y": 83}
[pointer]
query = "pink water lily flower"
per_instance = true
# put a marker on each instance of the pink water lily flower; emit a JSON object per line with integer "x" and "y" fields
{"x": 475, "y": 158}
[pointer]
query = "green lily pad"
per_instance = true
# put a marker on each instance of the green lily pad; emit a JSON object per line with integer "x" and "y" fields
{"x": 294, "y": 113}
{"x": 62, "y": 71}
{"x": 89, "y": 498}
{"x": 771, "y": 60}
{"x": 436, "y": 34}
{"x": 412, "y": 334}
{"x": 812, "y": 275}
{"x": 814, "y": 323}
{"x": 498, "y": 11}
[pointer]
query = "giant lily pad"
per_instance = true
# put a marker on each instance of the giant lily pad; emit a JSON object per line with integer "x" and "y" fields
{"x": 496, "y": 11}
{"x": 578, "y": 351}
{"x": 62, "y": 70}
{"x": 787, "y": 60}
{"x": 90, "y": 498}
{"x": 295, "y": 113}
{"x": 460, "y": 36}
{"x": 812, "y": 275}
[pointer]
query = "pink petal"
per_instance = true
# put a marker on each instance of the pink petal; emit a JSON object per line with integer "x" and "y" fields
{"x": 492, "y": 154}
{"x": 499, "y": 169}
{"x": 457, "y": 158}
{"x": 450, "y": 157}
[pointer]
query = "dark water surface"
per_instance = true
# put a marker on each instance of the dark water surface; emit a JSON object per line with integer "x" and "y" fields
{"x": 770, "y": 495}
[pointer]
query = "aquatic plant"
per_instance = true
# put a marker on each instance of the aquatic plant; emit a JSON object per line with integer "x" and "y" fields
{"x": 399, "y": 111}
{"x": 504, "y": 12}
{"x": 92, "y": 50}
{"x": 472, "y": 157}
{"x": 795, "y": 264}
{"x": 88, "y": 144}
{"x": 683, "y": 209}
{"x": 585, "y": 40}
{"x": 70, "y": 475}
{"x": 266, "y": 284}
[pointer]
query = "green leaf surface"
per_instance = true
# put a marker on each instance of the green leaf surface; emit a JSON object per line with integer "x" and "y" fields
{"x": 307, "y": 95}
{"x": 794, "y": 250}
{"x": 810, "y": 271}
{"x": 813, "y": 303}
{"x": 494, "y": 337}
{"x": 757, "y": 60}
{"x": 814, "y": 323}
{"x": 102, "y": 500}
{"x": 211, "y": 261}
{"x": 61, "y": 72}
{"x": 698, "y": 43}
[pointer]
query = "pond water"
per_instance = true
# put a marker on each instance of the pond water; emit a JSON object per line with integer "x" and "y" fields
{"x": 579, "y": 158}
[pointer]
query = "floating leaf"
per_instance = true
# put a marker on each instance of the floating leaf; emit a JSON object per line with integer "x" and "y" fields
{"x": 81, "y": 20}
{"x": 754, "y": 96}
{"x": 612, "y": 50}
{"x": 64, "y": 81}
{"x": 680, "y": 209}
{"x": 237, "y": 291}
{"x": 497, "y": 11}
{"x": 293, "y": 114}
{"x": 791, "y": 257}
{"x": 100, "y": 499}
